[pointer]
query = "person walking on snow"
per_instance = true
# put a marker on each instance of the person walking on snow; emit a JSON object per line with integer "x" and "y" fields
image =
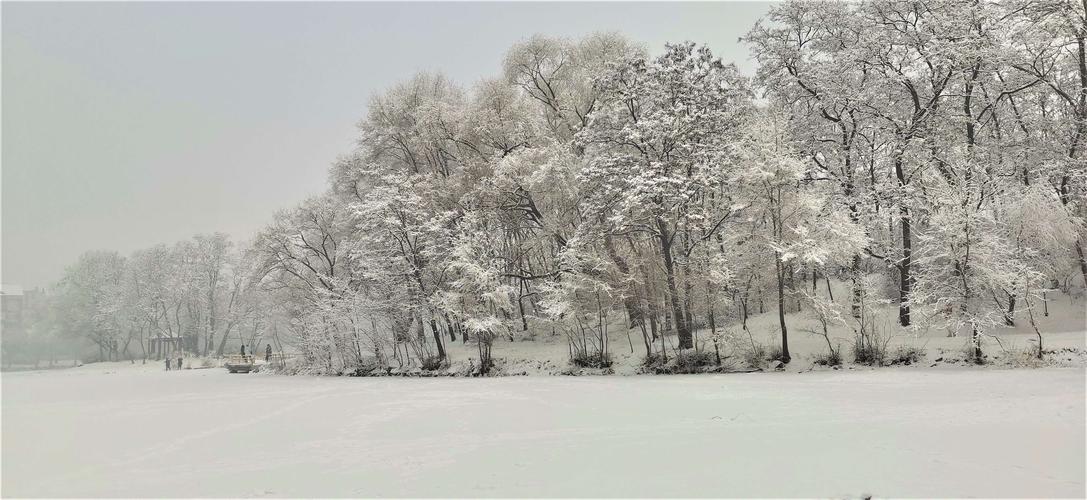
{"x": 268, "y": 353}
{"x": 167, "y": 364}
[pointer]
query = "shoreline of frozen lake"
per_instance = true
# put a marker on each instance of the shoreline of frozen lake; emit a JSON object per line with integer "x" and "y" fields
{"x": 106, "y": 431}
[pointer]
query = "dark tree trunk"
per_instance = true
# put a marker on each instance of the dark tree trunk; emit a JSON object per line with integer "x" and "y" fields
{"x": 907, "y": 250}
{"x": 711, "y": 318}
{"x": 857, "y": 289}
{"x": 975, "y": 338}
{"x": 684, "y": 339}
{"x": 1009, "y": 317}
{"x": 521, "y": 306}
{"x": 1082, "y": 261}
{"x": 743, "y": 317}
{"x": 631, "y": 301}
{"x": 688, "y": 320}
{"x": 785, "y": 358}
{"x": 645, "y": 338}
{"x": 452, "y": 330}
{"x": 437, "y": 338}
{"x": 904, "y": 271}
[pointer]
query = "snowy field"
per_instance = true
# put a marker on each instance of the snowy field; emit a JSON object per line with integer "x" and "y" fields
{"x": 109, "y": 430}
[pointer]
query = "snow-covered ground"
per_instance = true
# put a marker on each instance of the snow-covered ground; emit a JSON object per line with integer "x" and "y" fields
{"x": 107, "y": 430}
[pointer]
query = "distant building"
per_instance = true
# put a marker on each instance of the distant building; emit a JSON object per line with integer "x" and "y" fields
{"x": 12, "y": 309}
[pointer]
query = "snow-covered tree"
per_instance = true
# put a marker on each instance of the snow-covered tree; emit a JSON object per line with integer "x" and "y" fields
{"x": 659, "y": 143}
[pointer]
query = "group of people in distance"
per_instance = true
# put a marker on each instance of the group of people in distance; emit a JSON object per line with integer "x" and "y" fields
{"x": 267, "y": 357}
{"x": 267, "y": 352}
{"x": 179, "y": 359}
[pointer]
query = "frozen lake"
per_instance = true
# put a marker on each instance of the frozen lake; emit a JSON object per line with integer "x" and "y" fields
{"x": 120, "y": 430}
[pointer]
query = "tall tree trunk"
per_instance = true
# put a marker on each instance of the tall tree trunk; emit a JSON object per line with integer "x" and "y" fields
{"x": 855, "y": 271}
{"x": 210, "y": 334}
{"x": 653, "y": 324}
{"x": 521, "y": 306}
{"x": 975, "y": 339}
{"x": 1009, "y": 317}
{"x": 785, "y": 358}
{"x": 452, "y": 330}
{"x": 685, "y": 341}
{"x": 744, "y": 298}
{"x": 791, "y": 274}
{"x": 437, "y": 338}
{"x": 712, "y": 320}
{"x": 1082, "y": 262}
{"x": 688, "y": 298}
{"x": 226, "y": 336}
{"x": 907, "y": 245}
{"x": 743, "y": 317}
{"x": 903, "y": 289}
{"x": 631, "y": 299}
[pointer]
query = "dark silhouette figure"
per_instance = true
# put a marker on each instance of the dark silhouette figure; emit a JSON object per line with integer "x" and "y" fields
{"x": 243, "y": 349}
{"x": 179, "y": 362}
{"x": 268, "y": 353}
{"x": 167, "y": 364}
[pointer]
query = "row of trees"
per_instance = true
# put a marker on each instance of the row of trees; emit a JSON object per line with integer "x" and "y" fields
{"x": 928, "y": 154}
{"x": 952, "y": 132}
{"x": 194, "y": 295}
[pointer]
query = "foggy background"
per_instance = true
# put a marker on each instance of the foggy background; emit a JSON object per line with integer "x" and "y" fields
{"x": 128, "y": 125}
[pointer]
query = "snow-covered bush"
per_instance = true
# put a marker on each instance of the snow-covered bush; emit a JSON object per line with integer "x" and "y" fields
{"x": 905, "y": 355}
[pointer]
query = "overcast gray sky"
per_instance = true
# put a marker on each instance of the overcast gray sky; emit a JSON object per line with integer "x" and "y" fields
{"x": 131, "y": 124}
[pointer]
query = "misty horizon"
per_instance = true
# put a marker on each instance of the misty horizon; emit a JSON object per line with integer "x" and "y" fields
{"x": 131, "y": 125}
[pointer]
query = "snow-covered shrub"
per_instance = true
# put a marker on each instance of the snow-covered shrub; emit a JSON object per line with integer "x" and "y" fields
{"x": 906, "y": 355}
{"x": 832, "y": 358}
{"x": 484, "y": 340}
{"x": 1025, "y": 358}
{"x": 869, "y": 348}
{"x": 754, "y": 355}
{"x": 972, "y": 352}
{"x": 585, "y": 359}
{"x": 826, "y": 313}
{"x": 692, "y": 361}
{"x": 432, "y": 363}
{"x": 578, "y": 302}
{"x": 775, "y": 353}
{"x": 653, "y": 359}
{"x": 685, "y": 361}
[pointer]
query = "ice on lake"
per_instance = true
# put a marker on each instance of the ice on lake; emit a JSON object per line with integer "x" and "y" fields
{"x": 109, "y": 430}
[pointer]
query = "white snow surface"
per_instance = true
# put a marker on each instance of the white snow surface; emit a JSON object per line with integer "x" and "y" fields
{"x": 118, "y": 430}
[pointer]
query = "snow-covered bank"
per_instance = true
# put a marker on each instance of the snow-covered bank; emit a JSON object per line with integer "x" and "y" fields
{"x": 138, "y": 432}
{"x": 541, "y": 352}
